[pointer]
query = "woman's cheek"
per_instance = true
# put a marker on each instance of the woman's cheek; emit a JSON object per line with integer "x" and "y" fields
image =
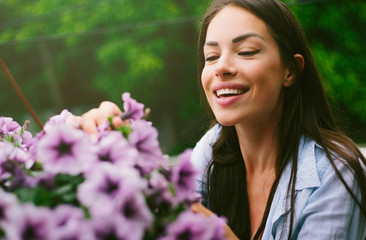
{"x": 205, "y": 80}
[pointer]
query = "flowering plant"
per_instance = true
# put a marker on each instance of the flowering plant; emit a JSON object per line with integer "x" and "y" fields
{"x": 62, "y": 185}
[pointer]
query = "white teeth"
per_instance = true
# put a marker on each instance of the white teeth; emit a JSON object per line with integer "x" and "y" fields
{"x": 221, "y": 92}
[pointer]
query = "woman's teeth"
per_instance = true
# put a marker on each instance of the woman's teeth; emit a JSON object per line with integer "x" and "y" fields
{"x": 229, "y": 92}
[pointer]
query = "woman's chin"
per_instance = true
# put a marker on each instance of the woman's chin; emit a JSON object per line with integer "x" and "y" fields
{"x": 225, "y": 122}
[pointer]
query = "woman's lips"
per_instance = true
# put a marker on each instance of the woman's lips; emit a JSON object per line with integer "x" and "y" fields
{"x": 226, "y": 101}
{"x": 227, "y": 93}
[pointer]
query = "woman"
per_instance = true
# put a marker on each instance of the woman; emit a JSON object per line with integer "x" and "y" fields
{"x": 274, "y": 163}
{"x": 280, "y": 167}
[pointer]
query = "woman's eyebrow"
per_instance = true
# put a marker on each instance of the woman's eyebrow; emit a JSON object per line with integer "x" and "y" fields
{"x": 237, "y": 39}
{"x": 212, "y": 44}
{"x": 245, "y": 36}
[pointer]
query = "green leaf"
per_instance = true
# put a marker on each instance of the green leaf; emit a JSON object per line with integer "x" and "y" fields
{"x": 125, "y": 130}
{"x": 38, "y": 196}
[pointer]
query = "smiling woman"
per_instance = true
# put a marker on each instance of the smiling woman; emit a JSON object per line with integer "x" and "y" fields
{"x": 250, "y": 61}
{"x": 274, "y": 162}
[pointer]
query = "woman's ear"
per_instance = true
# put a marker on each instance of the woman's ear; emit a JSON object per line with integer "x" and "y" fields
{"x": 300, "y": 61}
{"x": 291, "y": 74}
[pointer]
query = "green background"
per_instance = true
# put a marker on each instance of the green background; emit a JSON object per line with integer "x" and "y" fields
{"x": 75, "y": 53}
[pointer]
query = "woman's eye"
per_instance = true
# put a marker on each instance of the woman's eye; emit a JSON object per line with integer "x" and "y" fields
{"x": 211, "y": 58}
{"x": 248, "y": 53}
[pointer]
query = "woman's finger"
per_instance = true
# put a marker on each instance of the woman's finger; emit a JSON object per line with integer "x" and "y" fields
{"x": 73, "y": 121}
{"x": 88, "y": 121}
{"x": 117, "y": 121}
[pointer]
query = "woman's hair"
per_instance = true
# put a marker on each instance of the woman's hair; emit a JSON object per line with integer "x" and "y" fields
{"x": 306, "y": 112}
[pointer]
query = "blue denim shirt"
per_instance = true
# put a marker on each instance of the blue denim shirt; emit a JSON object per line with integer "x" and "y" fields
{"x": 324, "y": 209}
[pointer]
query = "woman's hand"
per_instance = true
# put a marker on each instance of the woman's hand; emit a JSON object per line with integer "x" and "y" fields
{"x": 90, "y": 120}
{"x": 199, "y": 208}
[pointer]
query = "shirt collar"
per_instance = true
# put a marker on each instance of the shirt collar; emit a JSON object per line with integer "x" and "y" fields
{"x": 307, "y": 177}
{"x": 307, "y": 172}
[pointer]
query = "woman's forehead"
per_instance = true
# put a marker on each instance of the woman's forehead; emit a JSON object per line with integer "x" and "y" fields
{"x": 233, "y": 21}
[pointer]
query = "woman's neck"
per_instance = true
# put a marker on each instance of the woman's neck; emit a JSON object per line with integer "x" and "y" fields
{"x": 258, "y": 145}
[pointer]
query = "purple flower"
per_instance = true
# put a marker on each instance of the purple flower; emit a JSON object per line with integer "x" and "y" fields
{"x": 64, "y": 149}
{"x": 56, "y": 120}
{"x": 30, "y": 223}
{"x": 218, "y": 226}
{"x": 66, "y": 213}
{"x": 189, "y": 225}
{"x": 184, "y": 178}
{"x": 104, "y": 184}
{"x": 111, "y": 228}
{"x": 32, "y": 150}
{"x": 69, "y": 223}
{"x": 6, "y": 149}
{"x": 132, "y": 108}
{"x": 74, "y": 231}
{"x": 130, "y": 218}
{"x": 103, "y": 130}
{"x": 8, "y": 126}
{"x": 20, "y": 179}
{"x": 27, "y": 140}
{"x": 126, "y": 183}
{"x": 159, "y": 190}
{"x": 144, "y": 138}
{"x": 132, "y": 211}
{"x": 14, "y": 132}
{"x": 20, "y": 156}
{"x": 114, "y": 148}
{"x": 12, "y": 161}
{"x": 8, "y": 206}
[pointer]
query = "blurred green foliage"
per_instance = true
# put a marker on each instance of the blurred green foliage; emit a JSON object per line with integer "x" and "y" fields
{"x": 75, "y": 53}
{"x": 336, "y": 32}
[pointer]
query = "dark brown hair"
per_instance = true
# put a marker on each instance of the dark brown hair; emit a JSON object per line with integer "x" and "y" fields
{"x": 306, "y": 112}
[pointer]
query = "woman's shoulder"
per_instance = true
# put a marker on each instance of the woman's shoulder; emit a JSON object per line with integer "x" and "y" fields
{"x": 322, "y": 201}
{"x": 202, "y": 152}
{"x": 314, "y": 165}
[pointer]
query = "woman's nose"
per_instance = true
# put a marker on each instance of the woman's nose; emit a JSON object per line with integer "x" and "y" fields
{"x": 225, "y": 67}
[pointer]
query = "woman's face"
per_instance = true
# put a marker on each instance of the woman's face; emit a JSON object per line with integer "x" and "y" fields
{"x": 244, "y": 75}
